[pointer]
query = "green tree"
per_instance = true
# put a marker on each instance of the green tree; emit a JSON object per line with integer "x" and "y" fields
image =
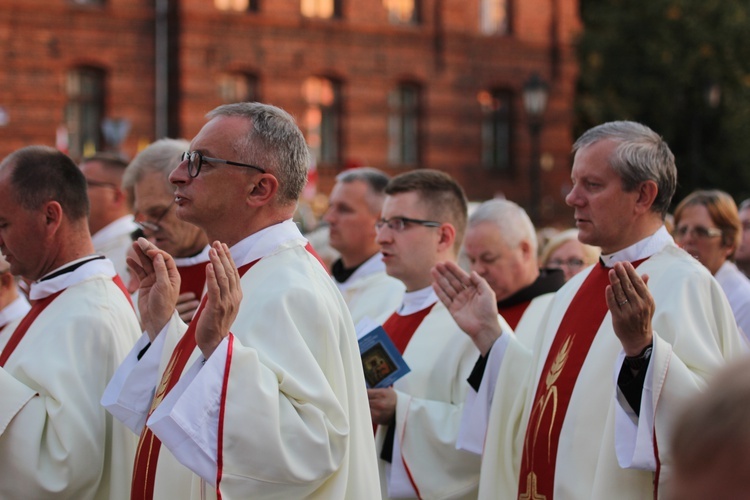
{"x": 682, "y": 67}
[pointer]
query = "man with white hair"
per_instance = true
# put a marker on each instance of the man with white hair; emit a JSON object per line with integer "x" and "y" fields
{"x": 501, "y": 247}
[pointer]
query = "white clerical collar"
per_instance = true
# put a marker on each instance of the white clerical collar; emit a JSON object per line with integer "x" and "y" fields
{"x": 417, "y": 300}
{"x": 193, "y": 260}
{"x": 15, "y": 310}
{"x": 643, "y": 249}
{"x": 369, "y": 267}
{"x": 89, "y": 268}
{"x": 123, "y": 225}
{"x": 265, "y": 241}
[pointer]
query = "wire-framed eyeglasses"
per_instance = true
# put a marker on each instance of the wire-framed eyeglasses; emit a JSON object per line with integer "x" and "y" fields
{"x": 195, "y": 161}
{"x": 700, "y": 232}
{"x": 398, "y": 224}
{"x": 155, "y": 226}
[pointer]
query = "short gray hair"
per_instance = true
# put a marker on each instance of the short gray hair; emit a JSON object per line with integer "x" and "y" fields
{"x": 162, "y": 156}
{"x": 513, "y": 222}
{"x": 376, "y": 181}
{"x": 275, "y": 144}
{"x": 641, "y": 155}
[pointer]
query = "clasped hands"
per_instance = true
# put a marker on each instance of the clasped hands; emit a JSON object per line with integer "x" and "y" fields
{"x": 472, "y": 303}
{"x": 159, "y": 291}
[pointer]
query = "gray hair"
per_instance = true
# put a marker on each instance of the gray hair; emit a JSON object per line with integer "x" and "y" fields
{"x": 162, "y": 156}
{"x": 376, "y": 181}
{"x": 513, "y": 222}
{"x": 641, "y": 155}
{"x": 275, "y": 144}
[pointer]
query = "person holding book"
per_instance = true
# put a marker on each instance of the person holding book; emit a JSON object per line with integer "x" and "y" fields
{"x": 423, "y": 221}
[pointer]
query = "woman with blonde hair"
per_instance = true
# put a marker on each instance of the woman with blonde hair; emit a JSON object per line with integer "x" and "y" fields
{"x": 564, "y": 251}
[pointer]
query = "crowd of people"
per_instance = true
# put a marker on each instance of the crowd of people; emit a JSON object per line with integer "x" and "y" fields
{"x": 167, "y": 331}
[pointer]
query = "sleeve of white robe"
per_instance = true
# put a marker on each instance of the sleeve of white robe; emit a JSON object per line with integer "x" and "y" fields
{"x": 52, "y": 427}
{"x": 129, "y": 394}
{"x": 694, "y": 333}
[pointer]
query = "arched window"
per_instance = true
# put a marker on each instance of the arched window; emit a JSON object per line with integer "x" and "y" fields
{"x": 322, "y": 118}
{"x": 494, "y": 17}
{"x": 403, "y": 124}
{"x": 496, "y": 120}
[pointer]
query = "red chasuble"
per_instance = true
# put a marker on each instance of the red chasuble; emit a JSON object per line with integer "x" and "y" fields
{"x": 512, "y": 314}
{"x": 564, "y": 361}
{"x": 147, "y": 453}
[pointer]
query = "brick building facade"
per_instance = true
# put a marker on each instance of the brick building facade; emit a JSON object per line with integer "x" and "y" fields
{"x": 395, "y": 84}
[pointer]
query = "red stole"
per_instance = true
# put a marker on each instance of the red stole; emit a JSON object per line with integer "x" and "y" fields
{"x": 401, "y": 328}
{"x": 193, "y": 278}
{"x": 513, "y": 314}
{"x": 18, "y": 334}
{"x": 147, "y": 454}
{"x": 564, "y": 361}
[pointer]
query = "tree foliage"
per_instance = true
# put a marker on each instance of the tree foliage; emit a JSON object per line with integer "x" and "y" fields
{"x": 682, "y": 67}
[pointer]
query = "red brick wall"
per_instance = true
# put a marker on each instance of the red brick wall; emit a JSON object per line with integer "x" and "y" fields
{"x": 41, "y": 39}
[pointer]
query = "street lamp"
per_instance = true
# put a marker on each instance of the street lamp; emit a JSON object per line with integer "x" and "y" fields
{"x": 535, "y": 94}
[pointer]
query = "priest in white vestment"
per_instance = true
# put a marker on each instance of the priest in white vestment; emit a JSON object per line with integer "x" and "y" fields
{"x": 588, "y": 412}
{"x": 56, "y": 441}
{"x": 263, "y": 395}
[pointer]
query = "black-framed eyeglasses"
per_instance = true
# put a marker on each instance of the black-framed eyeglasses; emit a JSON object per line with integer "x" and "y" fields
{"x": 92, "y": 183}
{"x": 155, "y": 226}
{"x": 196, "y": 159}
{"x": 700, "y": 232}
{"x": 398, "y": 224}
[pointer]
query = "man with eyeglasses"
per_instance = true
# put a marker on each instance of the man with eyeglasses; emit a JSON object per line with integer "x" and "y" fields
{"x": 587, "y": 412}
{"x": 355, "y": 204}
{"x": 501, "y": 247}
{"x": 263, "y": 394}
{"x": 13, "y": 304}
{"x": 56, "y": 441}
{"x": 422, "y": 223}
{"x": 147, "y": 179}
{"x": 111, "y": 220}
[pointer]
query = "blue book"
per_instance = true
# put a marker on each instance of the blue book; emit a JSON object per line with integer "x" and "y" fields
{"x": 381, "y": 361}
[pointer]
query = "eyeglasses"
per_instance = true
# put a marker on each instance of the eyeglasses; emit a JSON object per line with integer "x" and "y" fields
{"x": 699, "y": 232}
{"x": 155, "y": 226}
{"x": 196, "y": 159}
{"x": 91, "y": 183}
{"x": 571, "y": 263}
{"x": 398, "y": 224}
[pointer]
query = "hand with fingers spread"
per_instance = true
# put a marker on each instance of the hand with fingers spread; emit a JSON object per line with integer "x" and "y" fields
{"x": 159, "y": 285}
{"x": 632, "y": 307}
{"x": 187, "y": 304}
{"x": 382, "y": 405}
{"x": 223, "y": 296}
{"x": 471, "y": 302}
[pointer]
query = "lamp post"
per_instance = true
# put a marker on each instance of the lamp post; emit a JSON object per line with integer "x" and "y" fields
{"x": 535, "y": 94}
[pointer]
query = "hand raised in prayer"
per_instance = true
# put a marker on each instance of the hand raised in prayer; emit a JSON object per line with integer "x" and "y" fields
{"x": 187, "y": 304}
{"x": 632, "y": 307}
{"x": 382, "y": 405}
{"x": 224, "y": 295}
{"x": 471, "y": 302}
{"x": 159, "y": 285}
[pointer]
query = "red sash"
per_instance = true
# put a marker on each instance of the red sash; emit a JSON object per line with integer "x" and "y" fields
{"x": 401, "y": 328}
{"x": 147, "y": 454}
{"x": 18, "y": 334}
{"x": 512, "y": 314}
{"x": 564, "y": 361}
{"x": 193, "y": 278}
